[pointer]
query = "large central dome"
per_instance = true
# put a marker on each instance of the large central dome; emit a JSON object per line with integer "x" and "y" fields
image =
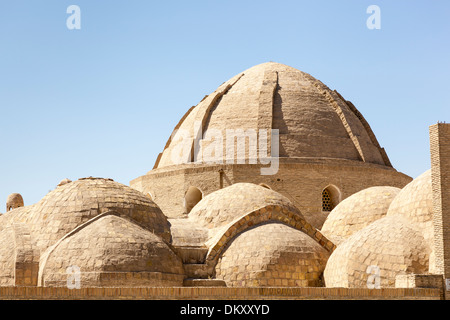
{"x": 313, "y": 121}
{"x": 320, "y": 148}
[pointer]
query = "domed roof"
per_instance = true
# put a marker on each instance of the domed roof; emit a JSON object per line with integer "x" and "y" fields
{"x": 358, "y": 211}
{"x": 272, "y": 254}
{"x": 72, "y": 204}
{"x": 20, "y": 214}
{"x": 415, "y": 200}
{"x": 415, "y": 204}
{"x": 112, "y": 251}
{"x": 14, "y": 198}
{"x": 313, "y": 121}
{"x": 225, "y": 205}
{"x": 391, "y": 244}
{"x": 14, "y": 201}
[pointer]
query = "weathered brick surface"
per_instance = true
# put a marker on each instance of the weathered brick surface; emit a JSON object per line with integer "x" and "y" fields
{"x": 226, "y": 205}
{"x": 72, "y": 204}
{"x": 26, "y": 256}
{"x": 300, "y": 180}
{"x": 305, "y": 111}
{"x": 440, "y": 176}
{"x": 14, "y": 201}
{"x": 419, "y": 281}
{"x": 112, "y": 251}
{"x": 358, "y": 211}
{"x": 214, "y": 293}
{"x": 224, "y": 215}
{"x": 272, "y": 255}
{"x": 7, "y": 256}
{"x": 391, "y": 244}
{"x": 415, "y": 203}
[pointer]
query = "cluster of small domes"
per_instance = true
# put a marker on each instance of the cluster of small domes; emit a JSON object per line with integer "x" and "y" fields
{"x": 383, "y": 228}
{"x": 253, "y": 235}
{"x": 118, "y": 236}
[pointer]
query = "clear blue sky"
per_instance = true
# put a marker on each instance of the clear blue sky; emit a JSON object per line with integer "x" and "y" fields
{"x": 102, "y": 101}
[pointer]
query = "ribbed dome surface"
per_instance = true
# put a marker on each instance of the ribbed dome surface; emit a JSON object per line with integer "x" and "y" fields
{"x": 313, "y": 121}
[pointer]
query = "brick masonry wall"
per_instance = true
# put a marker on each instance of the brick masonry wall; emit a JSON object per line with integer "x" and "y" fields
{"x": 210, "y": 293}
{"x": 440, "y": 177}
{"x": 301, "y": 182}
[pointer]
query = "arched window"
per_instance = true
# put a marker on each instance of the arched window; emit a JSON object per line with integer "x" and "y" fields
{"x": 331, "y": 196}
{"x": 191, "y": 198}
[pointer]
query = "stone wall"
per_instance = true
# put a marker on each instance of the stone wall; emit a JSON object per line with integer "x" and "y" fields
{"x": 209, "y": 293}
{"x": 418, "y": 281}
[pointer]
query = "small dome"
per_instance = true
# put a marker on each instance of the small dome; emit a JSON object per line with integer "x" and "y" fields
{"x": 272, "y": 254}
{"x": 358, "y": 211}
{"x": 415, "y": 200}
{"x": 14, "y": 201}
{"x": 391, "y": 244}
{"x": 225, "y": 205}
{"x": 415, "y": 204}
{"x": 72, "y": 204}
{"x": 112, "y": 251}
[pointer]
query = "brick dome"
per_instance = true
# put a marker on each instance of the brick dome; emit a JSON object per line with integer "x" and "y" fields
{"x": 73, "y": 204}
{"x": 415, "y": 204}
{"x": 392, "y": 244}
{"x": 112, "y": 251}
{"x": 415, "y": 201}
{"x": 358, "y": 211}
{"x": 14, "y": 201}
{"x": 313, "y": 121}
{"x": 223, "y": 206}
{"x": 272, "y": 254}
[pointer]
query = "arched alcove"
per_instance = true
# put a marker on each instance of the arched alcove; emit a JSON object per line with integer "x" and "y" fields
{"x": 191, "y": 198}
{"x": 331, "y": 196}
